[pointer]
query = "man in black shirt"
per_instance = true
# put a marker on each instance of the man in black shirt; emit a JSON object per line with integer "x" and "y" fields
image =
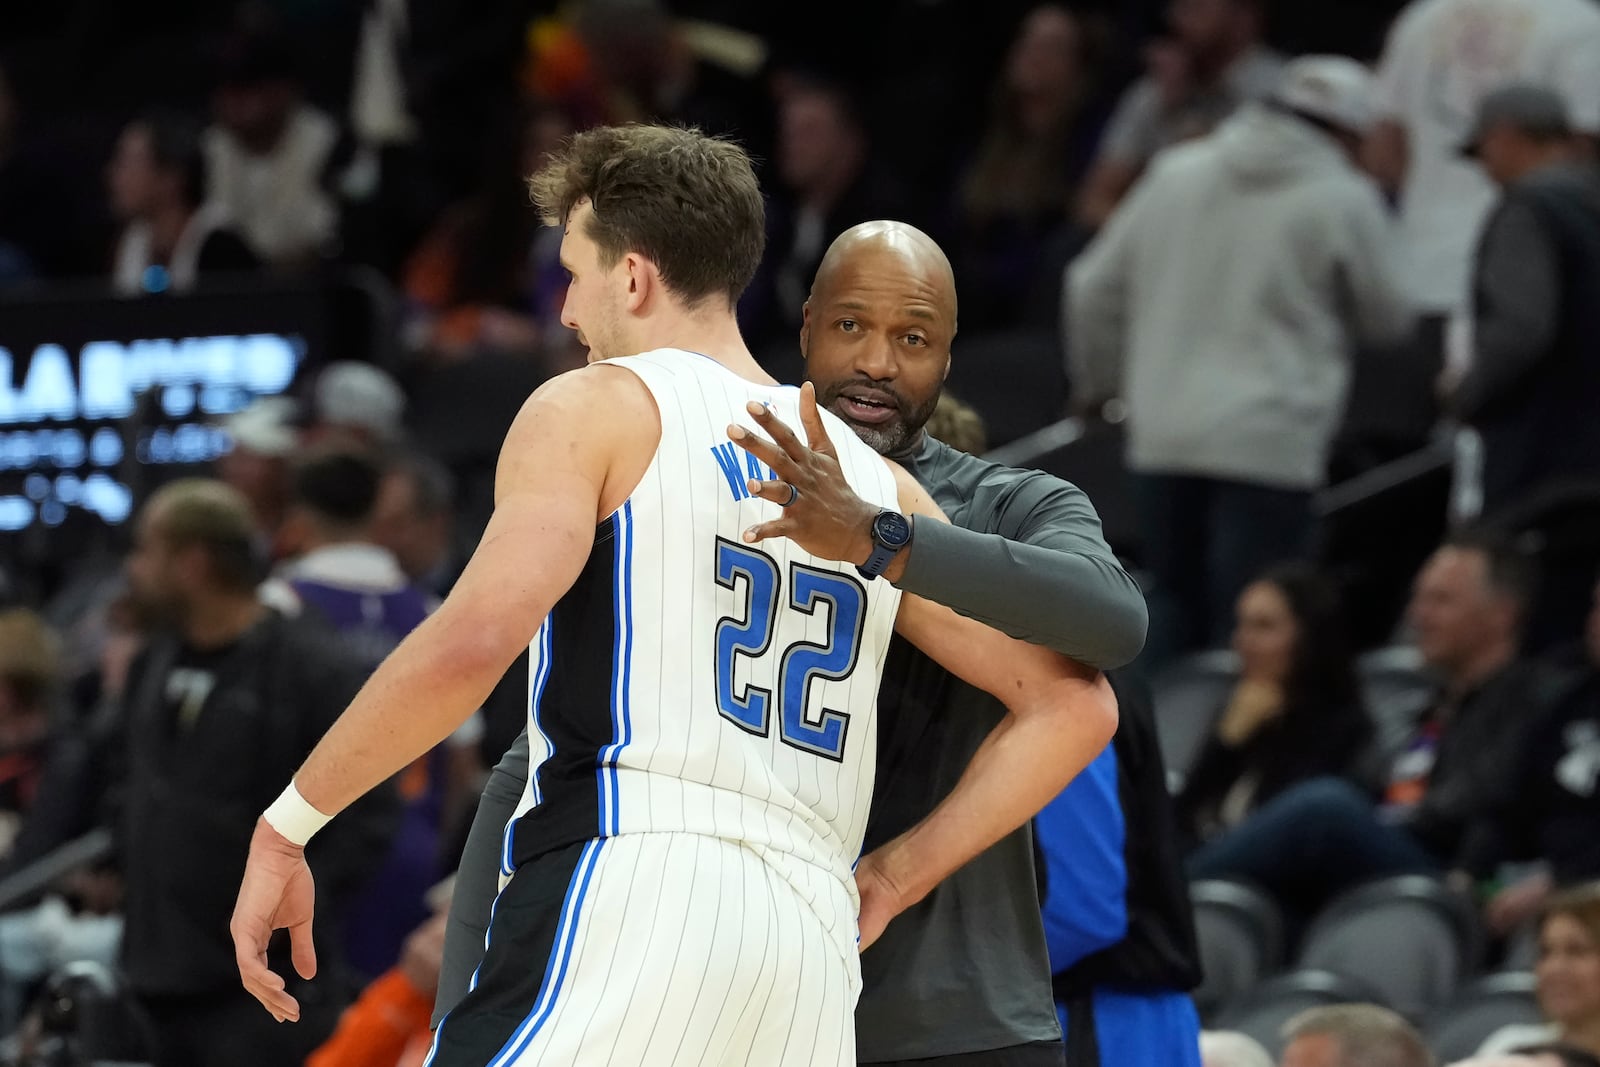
{"x": 222, "y": 704}
{"x": 1553, "y": 803}
{"x": 963, "y": 974}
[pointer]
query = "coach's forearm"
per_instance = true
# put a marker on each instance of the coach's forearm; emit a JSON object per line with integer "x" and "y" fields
{"x": 1085, "y": 607}
{"x": 1024, "y": 763}
{"x": 477, "y": 877}
{"x": 437, "y": 677}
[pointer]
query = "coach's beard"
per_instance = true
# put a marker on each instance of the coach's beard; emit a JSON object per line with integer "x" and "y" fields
{"x": 893, "y": 436}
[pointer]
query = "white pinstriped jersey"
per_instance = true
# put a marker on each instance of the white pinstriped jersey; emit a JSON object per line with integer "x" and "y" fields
{"x": 689, "y": 682}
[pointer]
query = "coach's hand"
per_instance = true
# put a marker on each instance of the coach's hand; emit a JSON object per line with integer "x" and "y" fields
{"x": 277, "y": 894}
{"x": 822, "y": 515}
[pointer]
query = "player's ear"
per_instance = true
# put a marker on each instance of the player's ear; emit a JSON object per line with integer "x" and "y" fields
{"x": 805, "y": 330}
{"x": 644, "y": 280}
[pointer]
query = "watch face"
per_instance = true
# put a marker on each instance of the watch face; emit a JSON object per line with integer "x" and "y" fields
{"x": 892, "y": 529}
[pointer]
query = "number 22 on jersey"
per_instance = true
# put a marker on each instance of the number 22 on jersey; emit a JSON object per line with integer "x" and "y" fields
{"x": 750, "y": 707}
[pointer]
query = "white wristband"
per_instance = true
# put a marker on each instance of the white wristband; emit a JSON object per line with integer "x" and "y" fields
{"x": 293, "y": 816}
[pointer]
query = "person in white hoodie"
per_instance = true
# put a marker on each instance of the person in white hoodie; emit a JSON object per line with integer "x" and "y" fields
{"x": 1221, "y": 303}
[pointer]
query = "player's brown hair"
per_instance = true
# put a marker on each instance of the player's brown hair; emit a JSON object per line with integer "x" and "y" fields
{"x": 686, "y": 201}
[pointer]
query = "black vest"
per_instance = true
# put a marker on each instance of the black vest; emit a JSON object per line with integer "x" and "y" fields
{"x": 1546, "y": 429}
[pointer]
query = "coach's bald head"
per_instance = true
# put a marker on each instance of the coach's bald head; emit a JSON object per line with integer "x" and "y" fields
{"x": 877, "y": 331}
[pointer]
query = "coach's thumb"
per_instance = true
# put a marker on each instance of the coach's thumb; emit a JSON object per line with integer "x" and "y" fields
{"x": 302, "y": 951}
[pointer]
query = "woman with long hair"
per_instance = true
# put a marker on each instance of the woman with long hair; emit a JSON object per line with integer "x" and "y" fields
{"x": 1296, "y": 711}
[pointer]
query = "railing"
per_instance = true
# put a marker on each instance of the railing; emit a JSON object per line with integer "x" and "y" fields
{"x": 1396, "y": 474}
{"x": 37, "y": 877}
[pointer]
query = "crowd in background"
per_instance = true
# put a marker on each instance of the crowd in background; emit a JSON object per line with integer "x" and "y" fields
{"x": 1260, "y": 274}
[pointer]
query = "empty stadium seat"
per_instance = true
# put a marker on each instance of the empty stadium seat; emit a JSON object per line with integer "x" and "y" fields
{"x": 1188, "y": 696}
{"x": 1240, "y": 934}
{"x": 1263, "y": 1013}
{"x": 1457, "y": 1030}
{"x": 1410, "y": 938}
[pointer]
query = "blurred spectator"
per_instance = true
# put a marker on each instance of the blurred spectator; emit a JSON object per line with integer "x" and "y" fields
{"x": 170, "y": 238}
{"x": 1532, "y": 386}
{"x": 488, "y": 275}
{"x": 646, "y": 68}
{"x": 47, "y": 228}
{"x": 1319, "y": 836}
{"x": 1015, "y": 194}
{"x": 1352, "y": 1035}
{"x": 826, "y": 182}
{"x": 339, "y": 575}
{"x": 1235, "y": 378}
{"x": 1552, "y": 807}
{"x": 15, "y": 266}
{"x": 263, "y": 436}
{"x": 957, "y": 425}
{"x": 355, "y": 403}
{"x": 334, "y": 571}
{"x": 1558, "y": 1054}
{"x": 1117, "y": 917}
{"x": 270, "y": 155}
{"x": 1296, "y": 712}
{"x": 219, "y": 709}
{"x": 1535, "y": 1056}
{"x": 414, "y": 519}
{"x": 77, "y": 759}
{"x": 1213, "y": 62}
{"x": 1443, "y": 56}
{"x": 30, "y": 686}
{"x": 1228, "y": 1048}
{"x": 1567, "y": 975}
{"x": 388, "y": 1025}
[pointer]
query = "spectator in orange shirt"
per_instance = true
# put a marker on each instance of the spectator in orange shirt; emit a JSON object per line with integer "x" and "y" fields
{"x": 387, "y": 1026}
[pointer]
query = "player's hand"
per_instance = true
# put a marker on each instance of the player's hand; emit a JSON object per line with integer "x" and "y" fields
{"x": 827, "y": 519}
{"x": 277, "y": 894}
{"x": 881, "y": 898}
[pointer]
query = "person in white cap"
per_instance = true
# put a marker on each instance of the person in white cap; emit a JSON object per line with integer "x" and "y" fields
{"x": 1221, "y": 303}
{"x": 262, "y": 438}
{"x": 357, "y": 399}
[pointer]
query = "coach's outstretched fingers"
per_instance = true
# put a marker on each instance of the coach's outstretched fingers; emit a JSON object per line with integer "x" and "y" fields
{"x": 811, "y": 421}
{"x": 822, "y": 514}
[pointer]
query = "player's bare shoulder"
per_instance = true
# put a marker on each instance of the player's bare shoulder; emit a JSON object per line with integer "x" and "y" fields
{"x": 599, "y": 420}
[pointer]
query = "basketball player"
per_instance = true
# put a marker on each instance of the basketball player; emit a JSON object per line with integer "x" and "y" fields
{"x": 702, "y": 715}
{"x": 964, "y": 977}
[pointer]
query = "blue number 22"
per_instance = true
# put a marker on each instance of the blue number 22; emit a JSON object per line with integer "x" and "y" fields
{"x": 801, "y": 662}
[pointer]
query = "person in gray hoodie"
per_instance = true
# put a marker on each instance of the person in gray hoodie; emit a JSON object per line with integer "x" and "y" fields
{"x": 1221, "y": 303}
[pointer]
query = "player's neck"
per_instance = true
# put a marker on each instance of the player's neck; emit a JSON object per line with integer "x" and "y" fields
{"x": 714, "y": 334}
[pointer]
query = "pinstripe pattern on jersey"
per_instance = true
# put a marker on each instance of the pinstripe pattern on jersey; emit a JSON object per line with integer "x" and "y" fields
{"x": 682, "y": 951}
{"x": 494, "y": 1024}
{"x": 556, "y": 967}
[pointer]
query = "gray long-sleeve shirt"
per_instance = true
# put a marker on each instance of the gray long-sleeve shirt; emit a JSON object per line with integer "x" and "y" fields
{"x": 1025, "y": 554}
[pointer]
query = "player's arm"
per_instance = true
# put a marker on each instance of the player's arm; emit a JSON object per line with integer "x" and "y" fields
{"x": 554, "y": 479}
{"x": 1057, "y": 583}
{"x": 1060, "y": 715}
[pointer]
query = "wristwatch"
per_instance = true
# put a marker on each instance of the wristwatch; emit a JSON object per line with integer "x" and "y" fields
{"x": 891, "y": 532}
